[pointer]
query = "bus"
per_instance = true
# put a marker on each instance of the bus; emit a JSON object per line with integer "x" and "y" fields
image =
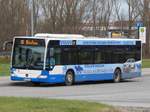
{"x": 68, "y": 58}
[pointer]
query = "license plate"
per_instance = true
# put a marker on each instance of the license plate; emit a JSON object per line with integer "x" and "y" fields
{"x": 27, "y": 79}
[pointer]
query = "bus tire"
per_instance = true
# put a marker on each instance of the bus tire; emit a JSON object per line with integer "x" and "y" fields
{"x": 69, "y": 78}
{"x": 117, "y": 76}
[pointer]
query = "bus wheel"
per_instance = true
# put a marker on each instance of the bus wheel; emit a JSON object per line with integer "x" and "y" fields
{"x": 69, "y": 78}
{"x": 117, "y": 76}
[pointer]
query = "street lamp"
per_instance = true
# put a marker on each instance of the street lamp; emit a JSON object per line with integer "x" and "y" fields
{"x": 32, "y": 19}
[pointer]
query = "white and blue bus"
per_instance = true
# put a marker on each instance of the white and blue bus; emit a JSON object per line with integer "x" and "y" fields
{"x": 57, "y": 58}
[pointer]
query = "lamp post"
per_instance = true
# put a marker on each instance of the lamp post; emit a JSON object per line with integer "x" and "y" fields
{"x": 32, "y": 19}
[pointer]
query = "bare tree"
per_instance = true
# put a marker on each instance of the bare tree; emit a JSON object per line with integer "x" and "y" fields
{"x": 145, "y": 16}
{"x": 51, "y": 11}
{"x": 13, "y": 18}
{"x": 73, "y": 15}
{"x": 64, "y": 16}
{"x": 119, "y": 14}
{"x": 101, "y": 13}
{"x": 133, "y": 13}
{"x": 36, "y": 14}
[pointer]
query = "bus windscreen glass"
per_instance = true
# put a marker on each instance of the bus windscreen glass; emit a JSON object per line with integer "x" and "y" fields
{"x": 28, "y": 54}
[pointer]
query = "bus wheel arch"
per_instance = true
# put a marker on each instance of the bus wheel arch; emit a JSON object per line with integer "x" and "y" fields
{"x": 117, "y": 75}
{"x": 69, "y": 77}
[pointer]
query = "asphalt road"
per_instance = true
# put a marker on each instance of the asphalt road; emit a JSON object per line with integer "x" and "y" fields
{"x": 135, "y": 92}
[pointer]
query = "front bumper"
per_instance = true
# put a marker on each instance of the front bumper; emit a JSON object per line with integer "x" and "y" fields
{"x": 48, "y": 79}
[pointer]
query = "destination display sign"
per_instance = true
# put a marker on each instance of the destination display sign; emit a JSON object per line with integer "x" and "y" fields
{"x": 30, "y": 42}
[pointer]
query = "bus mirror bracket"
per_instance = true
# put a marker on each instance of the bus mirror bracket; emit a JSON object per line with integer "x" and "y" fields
{"x": 52, "y": 63}
{"x": 6, "y": 43}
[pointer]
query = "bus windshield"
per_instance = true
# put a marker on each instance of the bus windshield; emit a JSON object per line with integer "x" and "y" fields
{"x": 28, "y": 54}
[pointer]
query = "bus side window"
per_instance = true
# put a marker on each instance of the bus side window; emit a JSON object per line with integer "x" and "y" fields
{"x": 86, "y": 55}
{"x": 98, "y": 56}
{"x": 69, "y": 56}
{"x": 57, "y": 56}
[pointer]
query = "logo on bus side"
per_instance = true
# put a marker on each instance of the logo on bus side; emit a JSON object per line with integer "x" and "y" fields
{"x": 79, "y": 69}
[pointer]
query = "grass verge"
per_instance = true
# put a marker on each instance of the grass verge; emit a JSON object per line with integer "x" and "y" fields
{"x": 146, "y": 63}
{"x": 12, "y": 104}
{"x": 4, "y": 66}
{"x": 4, "y": 69}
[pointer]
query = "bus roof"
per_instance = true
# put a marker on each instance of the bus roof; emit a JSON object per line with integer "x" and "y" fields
{"x": 72, "y": 37}
{"x": 46, "y": 35}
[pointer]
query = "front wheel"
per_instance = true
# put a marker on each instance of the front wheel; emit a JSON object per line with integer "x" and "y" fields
{"x": 117, "y": 76}
{"x": 69, "y": 79}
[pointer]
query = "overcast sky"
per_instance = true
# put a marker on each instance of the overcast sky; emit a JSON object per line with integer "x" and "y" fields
{"x": 124, "y": 7}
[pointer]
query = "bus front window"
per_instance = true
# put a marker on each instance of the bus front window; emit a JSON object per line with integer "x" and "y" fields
{"x": 28, "y": 57}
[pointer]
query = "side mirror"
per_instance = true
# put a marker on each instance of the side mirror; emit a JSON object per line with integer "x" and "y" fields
{"x": 51, "y": 59}
{"x": 52, "y": 63}
{"x": 6, "y": 43}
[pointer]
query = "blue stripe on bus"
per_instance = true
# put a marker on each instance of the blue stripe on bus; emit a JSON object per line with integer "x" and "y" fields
{"x": 98, "y": 42}
{"x": 60, "y": 78}
{"x": 94, "y": 77}
{"x": 15, "y": 78}
{"x": 105, "y": 42}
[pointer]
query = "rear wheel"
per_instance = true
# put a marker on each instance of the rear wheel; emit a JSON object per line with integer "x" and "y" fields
{"x": 69, "y": 79}
{"x": 117, "y": 76}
